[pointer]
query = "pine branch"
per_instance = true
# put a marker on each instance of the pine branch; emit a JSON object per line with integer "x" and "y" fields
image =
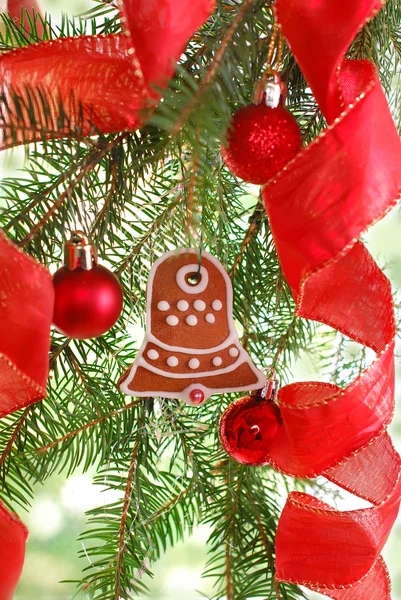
{"x": 93, "y": 423}
{"x": 124, "y": 514}
{"x": 88, "y": 165}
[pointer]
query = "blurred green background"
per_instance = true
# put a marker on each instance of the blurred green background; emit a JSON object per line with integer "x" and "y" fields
{"x": 57, "y": 515}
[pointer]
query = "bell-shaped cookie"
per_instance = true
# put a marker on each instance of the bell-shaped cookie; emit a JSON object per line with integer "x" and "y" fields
{"x": 191, "y": 348}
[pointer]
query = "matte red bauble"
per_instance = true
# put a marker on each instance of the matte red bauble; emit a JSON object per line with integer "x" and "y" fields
{"x": 263, "y": 137}
{"x": 248, "y": 428}
{"x": 88, "y": 297}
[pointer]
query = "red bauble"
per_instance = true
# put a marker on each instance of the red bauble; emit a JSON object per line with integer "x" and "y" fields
{"x": 248, "y": 428}
{"x": 261, "y": 141}
{"x": 87, "y": 302}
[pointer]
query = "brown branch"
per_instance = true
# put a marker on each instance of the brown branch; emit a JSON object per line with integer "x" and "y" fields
{"x": 255, "y": 221}
{"x": 124, "y": 513}
{"x": 191, "y": 192}
{"x": 167, "y": 505}
{"x": 229, "y": 586}
{"x": 266, "y": 544}
{"x": 283, "y": 341}
{"x": 87, "y": 426}
{"x": 88, "y": 164}
{"x": 228, "y": 570}
{"x": 59, "y": 181}
{"x": 108, "y": 198}
{"x": 211, "y": 72}
{"x": 14, "y": 435}
{"x": 138, "y": 246}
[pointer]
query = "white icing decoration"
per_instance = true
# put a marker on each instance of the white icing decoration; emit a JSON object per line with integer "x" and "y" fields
{"x": 172, "y": 320}
{"x": 182, "y": 305}
{"x": 172, "y": 361}
{"x": 163, "y": 305}
{"x": 217, "y": 361}
{"x": 199, "y": 305}
{"x": 217, "y": 305}
{"x": 194, "y": 363}
{"x": 233, "y": 351}
{"x": 191, "y": 320}
{"x": 210, "y": 318}
{"x": 231, "y": 339}
{"x": 185, "y": 394}
{"x": 152, "y": 354}
{"x": 192, "y": 289}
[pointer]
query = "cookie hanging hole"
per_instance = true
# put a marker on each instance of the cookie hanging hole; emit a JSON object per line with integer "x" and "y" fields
{"x": 193, "y": 279}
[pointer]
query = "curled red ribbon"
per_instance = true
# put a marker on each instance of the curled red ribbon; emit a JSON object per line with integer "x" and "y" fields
{"x": 103, "y": 82}
{"x": 318, "y": 206}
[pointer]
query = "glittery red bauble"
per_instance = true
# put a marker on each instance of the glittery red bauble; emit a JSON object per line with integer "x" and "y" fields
{"x": 87, "y": 303}
{"x": 248, "y": 428}
{"x": 261, "y": 141}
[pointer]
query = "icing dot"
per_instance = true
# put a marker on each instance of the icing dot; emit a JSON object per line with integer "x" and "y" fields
{"x": 191, "y": 320}
{"x": 163, "y": 305}
{"x": 217, "y": 305}
{"x": 182, "y": 305}
{"x": 199, "y": 305}
{"x": 153, "y": 354}
{"x": 193, "y": 363}
{"x": 210, "y": 318}
{"x": 172, "y": 320}
{"x": 233, "y": 351}
{"x": 217, "y": 361}
{"x": 172, "y": 361}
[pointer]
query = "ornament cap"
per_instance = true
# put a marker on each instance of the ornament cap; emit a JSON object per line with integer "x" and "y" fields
{"x": 270, "y": 90}
{"x": 270, "y": 390}
{"x": 79, "y": 252}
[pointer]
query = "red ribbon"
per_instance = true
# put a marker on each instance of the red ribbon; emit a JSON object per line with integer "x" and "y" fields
{"x": 26, "y": 311}
{"x": 13, "y": 535}
{"x": 318, "y": 206}
{"x": 105, "y": 83}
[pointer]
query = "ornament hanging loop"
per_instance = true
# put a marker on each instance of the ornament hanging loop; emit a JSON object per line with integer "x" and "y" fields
{"x": 270, "y": 89}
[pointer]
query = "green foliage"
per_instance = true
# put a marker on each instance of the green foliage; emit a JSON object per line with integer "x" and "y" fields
{"x": 138, "y": 195}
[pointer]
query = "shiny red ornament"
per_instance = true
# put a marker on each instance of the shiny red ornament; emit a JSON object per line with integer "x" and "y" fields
{"x": 88, "y": 297}
{"x": 261, "y": 141}
{"x": 248, "y": 428}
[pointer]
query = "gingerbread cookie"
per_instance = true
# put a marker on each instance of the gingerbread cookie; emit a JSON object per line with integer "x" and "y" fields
{"x": 191, "y": 348}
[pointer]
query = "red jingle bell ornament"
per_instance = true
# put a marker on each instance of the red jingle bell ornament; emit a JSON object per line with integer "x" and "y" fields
{"x": 88, "y": 297}
{"x": 249, "y": 426}
{"x": 263, "y": 136}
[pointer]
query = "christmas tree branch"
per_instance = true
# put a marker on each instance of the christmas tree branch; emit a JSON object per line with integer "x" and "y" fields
{"x": 93, "y": 423}
{"x": 255, "y": 221}
{"x": 124, "y": 514}
{"x": 87, "y": 165}
{"x": 214, "y": 66}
